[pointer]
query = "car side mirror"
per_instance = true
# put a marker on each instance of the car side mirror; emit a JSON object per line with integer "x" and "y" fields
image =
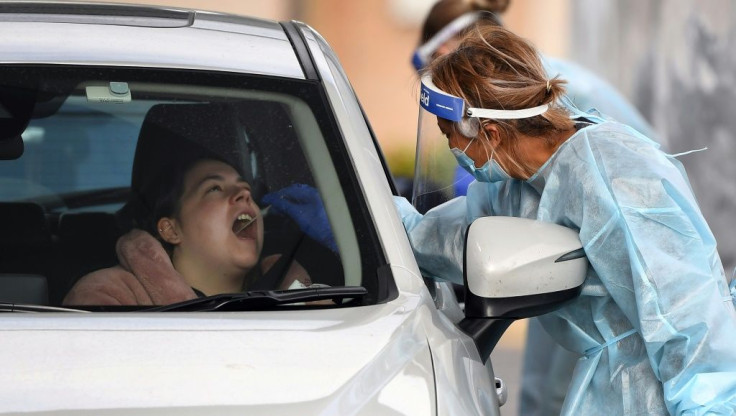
{"x": 517, "y": 268}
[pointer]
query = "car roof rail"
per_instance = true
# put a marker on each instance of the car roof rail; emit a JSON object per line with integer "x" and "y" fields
{"x": 301, "y": 49}
{"x": 96, "y": 13}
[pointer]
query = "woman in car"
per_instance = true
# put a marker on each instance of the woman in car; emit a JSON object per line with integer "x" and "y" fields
{"x": 208, "y": 240}
{"x": 655, "y": 323}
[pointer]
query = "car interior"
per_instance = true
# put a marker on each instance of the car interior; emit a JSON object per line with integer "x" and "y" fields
{"x": 76, "y": 145}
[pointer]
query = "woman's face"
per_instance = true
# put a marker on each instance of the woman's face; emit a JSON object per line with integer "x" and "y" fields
{"x": 213, "y": 205}
{"x": 479, "y": 150}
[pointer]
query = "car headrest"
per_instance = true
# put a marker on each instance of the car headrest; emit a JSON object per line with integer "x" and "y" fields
{"x": 11, "y": 148}
{"x": 176, "y": 135}
{"x": 23, "y": 226}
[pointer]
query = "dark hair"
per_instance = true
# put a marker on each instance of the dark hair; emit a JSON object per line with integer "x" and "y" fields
{"x": 445, "y": 11}
{"x": 174, "y": 137}
{"x": 162, "y": 195}
{"x": 168, "y": 204}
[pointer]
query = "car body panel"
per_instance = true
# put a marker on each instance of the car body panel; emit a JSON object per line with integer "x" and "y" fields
{"x": 217, "y": 43}
{"x": 333, "y": 361}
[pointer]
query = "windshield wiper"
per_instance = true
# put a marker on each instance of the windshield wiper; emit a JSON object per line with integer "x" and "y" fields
{"x": 258, "y": 300}
{"x": 20, "y": 307}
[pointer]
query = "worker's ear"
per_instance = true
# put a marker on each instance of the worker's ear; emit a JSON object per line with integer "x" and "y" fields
{"x": 168, "y": 231}
{"x": 492, "y": 134}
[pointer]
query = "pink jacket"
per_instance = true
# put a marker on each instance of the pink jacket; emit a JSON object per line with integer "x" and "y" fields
{"x": 145, "y": 276}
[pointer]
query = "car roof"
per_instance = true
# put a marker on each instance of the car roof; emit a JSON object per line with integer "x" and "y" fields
{"x": 143, "y": 36}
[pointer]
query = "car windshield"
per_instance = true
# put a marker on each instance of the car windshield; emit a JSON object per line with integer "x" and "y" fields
{"x": 85, "y": 154}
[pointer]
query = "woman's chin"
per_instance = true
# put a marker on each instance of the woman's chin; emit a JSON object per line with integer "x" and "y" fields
{"x": 246, "y": 254}
{"x": 246, "y": 262}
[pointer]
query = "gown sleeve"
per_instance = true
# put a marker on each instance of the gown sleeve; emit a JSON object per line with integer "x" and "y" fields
{"x": 438, "y": 237}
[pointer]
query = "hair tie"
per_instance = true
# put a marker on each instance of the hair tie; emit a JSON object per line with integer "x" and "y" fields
{"x": 549, "y": 86}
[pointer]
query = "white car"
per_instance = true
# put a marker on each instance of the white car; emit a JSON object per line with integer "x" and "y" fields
{"x": 80, "y": 85}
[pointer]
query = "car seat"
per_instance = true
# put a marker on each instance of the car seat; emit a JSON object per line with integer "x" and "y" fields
{"x": 26, "y": 253}
{"x": 175, "y": 134}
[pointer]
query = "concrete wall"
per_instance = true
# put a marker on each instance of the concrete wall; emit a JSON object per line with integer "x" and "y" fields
{"x": 675, "y": 60}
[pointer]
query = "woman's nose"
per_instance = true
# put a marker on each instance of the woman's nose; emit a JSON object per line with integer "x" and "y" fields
{"x": 241, "y": 193}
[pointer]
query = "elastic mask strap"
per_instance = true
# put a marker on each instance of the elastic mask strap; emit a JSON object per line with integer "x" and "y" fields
{"x": 732, "y": 289}
{"x": 468, "y": 146}
{"x": 493, "y": 153}
{"x": 595, "y": 350}
{"x": 488, "y": 141}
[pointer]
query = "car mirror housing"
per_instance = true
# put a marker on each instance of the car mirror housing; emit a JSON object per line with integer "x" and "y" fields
{"x": 517, "y": 268}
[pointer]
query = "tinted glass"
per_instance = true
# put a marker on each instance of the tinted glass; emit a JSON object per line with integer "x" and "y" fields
{"x": 104, "y": 148}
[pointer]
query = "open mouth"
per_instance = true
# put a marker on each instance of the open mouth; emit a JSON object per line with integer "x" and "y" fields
{"x": 242, "y": 223}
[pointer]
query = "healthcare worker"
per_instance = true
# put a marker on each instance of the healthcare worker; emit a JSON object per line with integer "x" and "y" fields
{"x": 655, "y": 323}
{"x": 547, "y": 366}
{"x": 448, "y": 20}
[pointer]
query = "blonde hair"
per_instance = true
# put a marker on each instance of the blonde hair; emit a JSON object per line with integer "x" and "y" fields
{"x": 496, "y": 69}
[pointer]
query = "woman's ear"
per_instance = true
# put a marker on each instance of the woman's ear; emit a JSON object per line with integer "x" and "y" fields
{"x": 493, "y": 134}
{"x": 167, "y": 230}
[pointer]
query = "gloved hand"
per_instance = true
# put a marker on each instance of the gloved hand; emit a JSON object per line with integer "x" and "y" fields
{"x": 303, "y": 205}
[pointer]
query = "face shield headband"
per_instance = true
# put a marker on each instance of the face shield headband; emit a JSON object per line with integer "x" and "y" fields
{"x": 451, "y": 107}
{"x": 422, "y": 54}
{"x": 438, "y": 174}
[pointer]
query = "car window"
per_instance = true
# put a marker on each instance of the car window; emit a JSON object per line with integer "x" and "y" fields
{"x": 96, "y": 140}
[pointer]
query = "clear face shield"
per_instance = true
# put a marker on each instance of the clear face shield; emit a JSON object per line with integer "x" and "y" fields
{"x": 437, "y": 176}
{"x": 435, "y": 169}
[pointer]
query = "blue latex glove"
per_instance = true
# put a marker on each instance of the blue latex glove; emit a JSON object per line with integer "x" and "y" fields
{"x": 303, "y": 205}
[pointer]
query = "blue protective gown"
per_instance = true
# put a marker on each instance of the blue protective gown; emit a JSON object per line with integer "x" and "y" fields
{"x": 655, "y": 322}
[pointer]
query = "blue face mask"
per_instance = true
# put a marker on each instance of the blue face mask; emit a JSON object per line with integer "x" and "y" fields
{"x": 489, "y": 172}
